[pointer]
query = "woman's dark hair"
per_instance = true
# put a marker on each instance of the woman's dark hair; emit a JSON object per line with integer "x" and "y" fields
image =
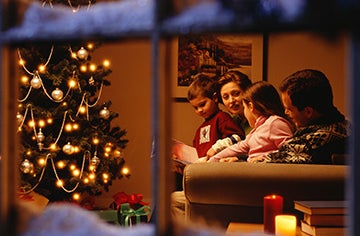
{"x": 241, "y": 79}
{"x": 265, "y": 99}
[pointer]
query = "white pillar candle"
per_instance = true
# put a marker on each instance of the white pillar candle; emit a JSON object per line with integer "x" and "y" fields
{"x": 285, "y": 225}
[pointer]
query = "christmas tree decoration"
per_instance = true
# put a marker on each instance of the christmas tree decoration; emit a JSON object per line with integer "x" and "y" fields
{"x": 35, "y": 82}
{"x": 57, "y": 94}
{"x": 104, "y": 113}
{"x": 69, "y": 145}
{"x": 82, "y": 53}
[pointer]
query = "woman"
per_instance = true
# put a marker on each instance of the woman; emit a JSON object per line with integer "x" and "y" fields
{"x": 231, "y": 86}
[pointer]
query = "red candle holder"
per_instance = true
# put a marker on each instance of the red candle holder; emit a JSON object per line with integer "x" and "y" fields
{"x": 273, "y": 205}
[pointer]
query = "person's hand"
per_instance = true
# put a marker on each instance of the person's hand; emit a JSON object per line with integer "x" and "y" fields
{"x": 256, "y": 159}
{"x": 229, "y": 159}
{"x": 201, "y": 160}
{"x": 211, "y": 152}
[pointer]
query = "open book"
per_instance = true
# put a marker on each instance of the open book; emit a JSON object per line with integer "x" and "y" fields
{"x": 183, "y": 154}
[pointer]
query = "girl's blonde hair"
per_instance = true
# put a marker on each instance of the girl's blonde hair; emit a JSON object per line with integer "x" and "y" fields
{"x": 265, "y": 99}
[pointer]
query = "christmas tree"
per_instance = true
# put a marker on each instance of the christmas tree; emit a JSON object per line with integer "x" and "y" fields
{"x": 68, "y": 145}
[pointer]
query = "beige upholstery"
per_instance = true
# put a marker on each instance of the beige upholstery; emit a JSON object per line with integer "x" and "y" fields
{"x": 219, "y": 193}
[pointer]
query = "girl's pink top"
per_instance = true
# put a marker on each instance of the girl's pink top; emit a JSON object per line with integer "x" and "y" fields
{"x": 267, "y": 136}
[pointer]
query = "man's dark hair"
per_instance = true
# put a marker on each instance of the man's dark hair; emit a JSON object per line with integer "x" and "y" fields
{"x": 309, "y": 88}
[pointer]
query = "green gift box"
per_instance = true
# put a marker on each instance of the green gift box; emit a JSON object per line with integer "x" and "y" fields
{"x": 128, "y": 216}
{"x": 109, "y": 216}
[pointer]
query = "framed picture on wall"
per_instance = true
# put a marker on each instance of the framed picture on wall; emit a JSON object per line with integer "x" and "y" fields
{"x": 214, "y": 54}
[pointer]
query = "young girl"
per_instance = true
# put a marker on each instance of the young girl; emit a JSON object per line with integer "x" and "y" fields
{"x": 265, "y": 113}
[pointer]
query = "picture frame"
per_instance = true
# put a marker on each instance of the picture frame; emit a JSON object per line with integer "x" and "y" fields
{"x": 215, "y": 54}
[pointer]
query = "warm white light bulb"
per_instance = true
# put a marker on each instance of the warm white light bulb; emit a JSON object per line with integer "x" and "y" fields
{"x": 106, "y": 63}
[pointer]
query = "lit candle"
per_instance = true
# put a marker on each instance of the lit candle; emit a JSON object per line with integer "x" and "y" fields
{"x": 285, "y": 225}
{"x": 273, "y": 205}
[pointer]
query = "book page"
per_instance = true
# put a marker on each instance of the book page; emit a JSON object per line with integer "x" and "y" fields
{"x": 184, "y": 152}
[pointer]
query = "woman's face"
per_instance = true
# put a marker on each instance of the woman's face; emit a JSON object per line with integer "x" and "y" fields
{"x": 231, "y": 97}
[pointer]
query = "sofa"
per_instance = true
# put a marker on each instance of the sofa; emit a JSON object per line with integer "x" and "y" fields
{"x": 219, "y": 193}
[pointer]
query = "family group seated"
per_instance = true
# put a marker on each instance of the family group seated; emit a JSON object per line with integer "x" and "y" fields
{"x": 299, "y": 125}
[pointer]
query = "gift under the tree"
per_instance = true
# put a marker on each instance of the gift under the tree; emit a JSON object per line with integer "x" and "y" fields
{"x": 128, "y": 216}
{"x": 130, "y": 208}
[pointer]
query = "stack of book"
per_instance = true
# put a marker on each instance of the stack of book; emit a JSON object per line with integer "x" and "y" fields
{"x": 322, "y": 218}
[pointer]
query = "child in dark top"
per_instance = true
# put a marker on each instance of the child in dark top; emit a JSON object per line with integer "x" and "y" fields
{"x": 217, "y": 124}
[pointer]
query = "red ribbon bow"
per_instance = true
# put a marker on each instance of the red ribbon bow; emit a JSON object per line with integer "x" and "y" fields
{"x": 132, "y": 199}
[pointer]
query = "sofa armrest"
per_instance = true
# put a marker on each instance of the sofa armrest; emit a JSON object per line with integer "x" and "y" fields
{"x": 246, "y": 184}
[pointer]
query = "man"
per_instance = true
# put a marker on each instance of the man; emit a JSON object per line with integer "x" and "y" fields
{"x": 321, "y": 130}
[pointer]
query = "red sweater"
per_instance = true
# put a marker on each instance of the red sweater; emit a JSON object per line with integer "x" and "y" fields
{"x": 218, "y": 126}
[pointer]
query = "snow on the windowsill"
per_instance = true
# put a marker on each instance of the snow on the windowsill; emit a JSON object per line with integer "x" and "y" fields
{"x": 103, "y": 18}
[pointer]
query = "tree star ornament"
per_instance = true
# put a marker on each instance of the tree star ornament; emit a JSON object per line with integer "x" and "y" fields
{"x": 57, "y": 94}
{"x": 82, "y": 53}
{"x": 104, "y": 113}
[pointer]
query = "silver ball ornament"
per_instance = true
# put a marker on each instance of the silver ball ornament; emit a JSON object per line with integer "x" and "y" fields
{"x": 104, "y": 113}
{"x": 40, "y": 136}
{"x": 68, "y": 149}
{"x": 95, "y": 161}
{"x": 57, "y": 94}
{"x": 82, "y": 53}
{"x": 35, "y": 82}
{"x": 26, "y": 166}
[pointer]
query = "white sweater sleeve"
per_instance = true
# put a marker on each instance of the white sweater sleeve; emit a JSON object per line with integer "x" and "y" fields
{"x": 226, "y": 142}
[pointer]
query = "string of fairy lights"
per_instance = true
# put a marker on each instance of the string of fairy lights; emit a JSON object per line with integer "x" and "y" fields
{"x": 68, "y": 123}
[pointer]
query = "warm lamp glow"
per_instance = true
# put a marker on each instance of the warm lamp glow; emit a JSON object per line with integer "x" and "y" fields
{"x": 42, "y": 68}
{"x": 59, "y": 183}
{"x": 75, "y": 126}
{"x": 96, "y": 141}
{"x": 72, "y": 167}
{"x": 49, "y": 120}
{"x": 92, "y": 176}
{"x": 82, "y": 109}
{"x": 21, "y": 62}
{"x": 73, "y": 55}
{"x": 90, "y": 46}
{"x": 53, "y": 146}
{"x": 41, "y": 162}
{"x": 41, "y": 123}
{"x": 107, "y": 149}
{"x": 31, "y": 123}
{"x": 92, "y": 67}
{"x": 83, "y": 68}
{"x": 285, "y": 225}
{"x": 68, "y": 127}
{"x": 60, "y": 164}
{"x": 86, "y": 180}
{"x": 72, "y": 83}
{"x": 76, "y": 196}
{"x": 105, "y": 176}
{"x": 24, "y": 79}
{"x": 106, "y": 63}
{"x": 76, "y": 172}
{"x": 125, "y": 171}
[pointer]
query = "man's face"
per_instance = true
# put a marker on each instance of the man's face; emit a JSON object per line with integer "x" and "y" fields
{"x": 299, "y": 118}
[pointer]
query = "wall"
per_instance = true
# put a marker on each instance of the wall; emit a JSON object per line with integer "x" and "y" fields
{"x": 130, "y": 93}
{"x": 130, "y": 96}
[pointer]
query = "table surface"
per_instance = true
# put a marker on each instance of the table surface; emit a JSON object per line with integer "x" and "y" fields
{"x": 235, "y": 227}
